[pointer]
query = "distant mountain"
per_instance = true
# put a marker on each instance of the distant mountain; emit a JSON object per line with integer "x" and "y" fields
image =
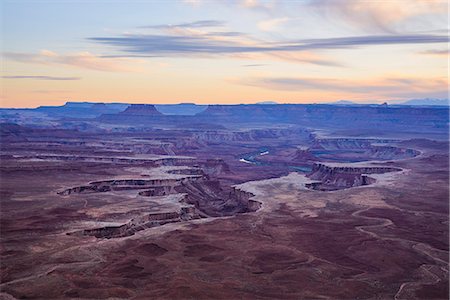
{"x": 426, "y": 102}
{"x": 266, "y": 102}
{"x": 82, "y": 109}
{"x": 182, "y": 109}
{"x": 413, "y": 102}
{"x": 96, "y": 105}
{"x": 343, "y": 102}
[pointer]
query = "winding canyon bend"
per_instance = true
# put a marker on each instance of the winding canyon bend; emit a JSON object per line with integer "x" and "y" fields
{"x": 234, "y": 202}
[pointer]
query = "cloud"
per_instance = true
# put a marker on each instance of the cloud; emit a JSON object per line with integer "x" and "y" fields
{"x": 272, "y": 24}
{"x": 253, "y": 65}
{"x": 384, "y": 16}
{"x": 196, "y": 24}
{"x": 224, "y": 33}
{"x": 296, "y": 57}
{"x": 208, "y": 38}
{"x": 40, "y": 77}
{"x": 370, "y": 40}
{"x": 437, "y": 52}
{"x": 189, "y": 43}
{"x": 173, "y": 44}
{"x": 128, "y": 56}
{"x": 170, "y": 45}
{"x": 306, "y": 56}
{"x": 85, "y": 60}
{"x": 390, "y": 87}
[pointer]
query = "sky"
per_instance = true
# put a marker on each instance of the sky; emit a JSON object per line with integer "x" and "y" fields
{"x": 224, "y": 52}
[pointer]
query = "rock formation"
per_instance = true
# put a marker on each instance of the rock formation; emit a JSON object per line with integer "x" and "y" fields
{"x": 334, "y": 177}
{"x": 141, "y": 110}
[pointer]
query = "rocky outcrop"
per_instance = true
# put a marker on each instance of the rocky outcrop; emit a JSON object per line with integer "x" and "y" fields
{"x": 136, "y": 182}
{"x": 340, "y": 144}
{"x": 332, "y": 177}
{"x": 100, "y": 159}
{"x": 141, "y": 223}
{"x": 303, "y": 155}
{"x": 158, "y": 191}
{"x": 157, "y": 185}
{"x": 213, "y": 137}
{"x": 348, "y": 149}
{"x": 202, "y": 198}
{"x": 324, "y": 169}
{"x": 191, "y": 171}
{"x": 389, "y": 152}
{"x": 175, "y": 161}
{"x": 254, "y": 205}
{"x": 216, "y": 200}
{"x": 159, "y": 149}
{"x": 141, "y": 110}
{"x": 215, "y": 166}
{"x": 86, "y": 189}
{"x": 218, "y": 136}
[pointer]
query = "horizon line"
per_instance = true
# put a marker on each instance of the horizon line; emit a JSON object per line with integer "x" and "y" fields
{"x": 268, "y": 102}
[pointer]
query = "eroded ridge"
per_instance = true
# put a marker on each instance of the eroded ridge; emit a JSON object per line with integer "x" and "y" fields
{"x": 141, "y": 223}
{"x": 127, "y": 184}
{"x": 335, "y": 176}
{"x": 200, "y": 198}
{"x": 354, "y": 150}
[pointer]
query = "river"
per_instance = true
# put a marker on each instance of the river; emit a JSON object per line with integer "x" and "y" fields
{"x": 252, "y": 158}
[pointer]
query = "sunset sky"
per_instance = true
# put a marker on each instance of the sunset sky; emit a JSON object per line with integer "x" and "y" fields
{"x": 227, "y": 52}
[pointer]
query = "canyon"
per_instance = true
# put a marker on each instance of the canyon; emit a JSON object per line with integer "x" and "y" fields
{"x": 119, "y": 201}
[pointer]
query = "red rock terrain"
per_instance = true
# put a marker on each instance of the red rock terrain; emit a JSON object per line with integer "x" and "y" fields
{"x": 248, "y": 211}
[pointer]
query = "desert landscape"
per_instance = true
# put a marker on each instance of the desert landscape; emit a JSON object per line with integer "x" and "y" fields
{"x": 235, "y": 150}
{"x": 118, "y": 201}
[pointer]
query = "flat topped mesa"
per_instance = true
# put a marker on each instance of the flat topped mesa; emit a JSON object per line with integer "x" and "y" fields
{"x": 141, "y": 110}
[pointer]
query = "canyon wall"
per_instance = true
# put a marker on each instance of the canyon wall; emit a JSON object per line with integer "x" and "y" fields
{"x": 331, "y": 177}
